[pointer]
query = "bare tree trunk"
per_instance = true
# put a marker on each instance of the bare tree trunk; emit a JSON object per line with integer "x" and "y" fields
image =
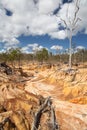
{"x": 71, "y": 26}
{"x": 70, "y": 50}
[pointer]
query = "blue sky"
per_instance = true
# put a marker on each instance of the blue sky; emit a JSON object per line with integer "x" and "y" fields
{"x": 26, "y": 22}
{"x": 46, "y": 41}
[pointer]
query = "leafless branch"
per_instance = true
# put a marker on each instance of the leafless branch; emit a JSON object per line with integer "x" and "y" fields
{"x": 78, "y": 19}
{"x": 76, "y": 10}
{"x": 64, "y": 22}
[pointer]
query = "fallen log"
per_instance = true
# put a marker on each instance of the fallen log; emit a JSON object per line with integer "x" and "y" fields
{"x": 36, "y": 121}
{"x": 55, "y": 125}
{"x": 40, "y": 111}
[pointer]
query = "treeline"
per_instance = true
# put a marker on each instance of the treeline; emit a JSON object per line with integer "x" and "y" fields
{"x": 16, "y": 55}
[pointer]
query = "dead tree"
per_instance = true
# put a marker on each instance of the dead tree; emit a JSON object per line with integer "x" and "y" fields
{"x": 40, "y": 111}
{"x": 70, "y": 26}
{"x": 55, "y": 125}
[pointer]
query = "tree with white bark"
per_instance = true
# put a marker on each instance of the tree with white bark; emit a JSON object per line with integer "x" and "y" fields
{"x": 70, "y": 25}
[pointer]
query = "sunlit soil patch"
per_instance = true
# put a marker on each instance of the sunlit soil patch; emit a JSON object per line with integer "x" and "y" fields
{"x": 21, "y": 96}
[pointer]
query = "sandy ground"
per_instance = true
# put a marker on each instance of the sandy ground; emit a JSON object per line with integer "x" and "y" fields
{"x": 70, "y": 116}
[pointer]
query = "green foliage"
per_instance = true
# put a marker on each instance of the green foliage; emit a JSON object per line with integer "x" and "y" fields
{"x": 14, "y": 54}
{"x": 42, "y": 55}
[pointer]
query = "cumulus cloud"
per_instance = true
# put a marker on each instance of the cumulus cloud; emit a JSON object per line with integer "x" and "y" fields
{"x": 25, "y": 49}
{"x": 36, "y": 17}
{"x": 56, "y": 47}
{"x": 29, "y": 17}
{"x": 59, "y": 34}
{"x": 48, "y": 6}
{"x": 35, "y": 47}
{"x": 80, "y": 48}
{"x": 15, "y": 25}
{"x": 32, "y": 48}
{"x": 43, "y": 24}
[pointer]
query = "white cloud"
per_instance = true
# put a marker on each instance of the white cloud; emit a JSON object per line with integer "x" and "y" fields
{"x": 48, "y": 6}
{"x": 59, "y": 34}
{"x": 27, "y": 18}
{"x": 11, "y": 43}
{"x": 80, "y": 48}
{"x": 43, "y": 24}
{"x": 35, "y": 47}
{"x": 25, "y": 50}
{"x": 32, "y": 48}
{"x": 15, "y": 25}
{"x": 56, "y": 47}
{"x": 30, "y": 18}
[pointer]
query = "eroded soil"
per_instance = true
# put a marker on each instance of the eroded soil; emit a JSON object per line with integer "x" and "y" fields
{"x": 20, "y": 97}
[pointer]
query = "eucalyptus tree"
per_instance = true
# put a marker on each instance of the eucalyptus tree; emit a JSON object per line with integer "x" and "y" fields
{"x": 42, "y": 55}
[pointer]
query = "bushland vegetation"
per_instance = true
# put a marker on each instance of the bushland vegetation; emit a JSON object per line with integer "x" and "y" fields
{"x": 15, "y": 56}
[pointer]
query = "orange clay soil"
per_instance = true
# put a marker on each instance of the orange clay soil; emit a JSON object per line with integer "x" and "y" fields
{"x": 68, "y": 91}
{"x": 20, "y": 100}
